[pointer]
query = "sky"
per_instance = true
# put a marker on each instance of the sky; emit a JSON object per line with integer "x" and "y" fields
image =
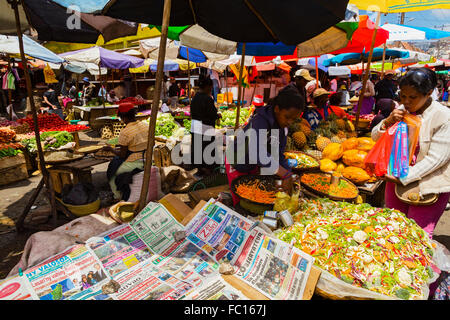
{"x": 429, "y": 18}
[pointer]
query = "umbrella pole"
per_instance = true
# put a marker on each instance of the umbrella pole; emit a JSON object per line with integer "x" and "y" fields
{"x": 366, "y": 75}
{"x": 155, "y": 105}
{"x": 101, "y": 84}
{"x": 241, "y": 70}
{"x": 226, "y": 85}
{"x": 382, "y": 63}
{"x": 317, "y": 73}
{"x": 189, "y": 75}
{"x": 40, "y": 152}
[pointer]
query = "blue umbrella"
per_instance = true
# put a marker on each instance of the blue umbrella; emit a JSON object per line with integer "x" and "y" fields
{"x": 169, "y": 65}
{"x": 352, "y": 58}
{"x": 195, "y": 55}
{"x": 431, "y": 34}
{"x": 266, "y": 49}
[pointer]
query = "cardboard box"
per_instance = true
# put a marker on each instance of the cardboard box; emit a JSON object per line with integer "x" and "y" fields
{"x": 176, "y": 207}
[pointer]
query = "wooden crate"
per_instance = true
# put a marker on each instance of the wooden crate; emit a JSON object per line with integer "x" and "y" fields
{"x": 8, "y": 162}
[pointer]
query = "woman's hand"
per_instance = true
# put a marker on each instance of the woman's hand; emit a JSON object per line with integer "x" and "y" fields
{"x": 392, "y": 179}
{"x": 395, "y": 116}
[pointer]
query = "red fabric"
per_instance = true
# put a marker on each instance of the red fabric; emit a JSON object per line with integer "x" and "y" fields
{"x": 337, "y": 110}
{"x": 125, "y": 107}
{"x": 362, "y": 37}
{"x": 268, "y": 58}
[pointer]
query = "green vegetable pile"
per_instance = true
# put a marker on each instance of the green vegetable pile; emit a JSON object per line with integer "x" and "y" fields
{"x": 165, "y": 125}
{"x": 50, "y": 139}
{"x": 187, "y": 124}
{"x": 229, "y": 117}
{"x": 9, "y": 152}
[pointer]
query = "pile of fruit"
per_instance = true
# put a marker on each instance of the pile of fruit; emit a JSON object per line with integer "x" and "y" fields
{"x": 335, "y": 142}
{"x": 52, "y": 122}
{"x": 7, "y": 135}
{"x": 229, "y": 117}
{"x": 378, "y": 249}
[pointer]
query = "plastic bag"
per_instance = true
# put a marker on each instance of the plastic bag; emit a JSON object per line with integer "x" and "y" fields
{"x": 414, "y": 123}
{"x": 398, "y": 160}
{"x": 377, "y": 160}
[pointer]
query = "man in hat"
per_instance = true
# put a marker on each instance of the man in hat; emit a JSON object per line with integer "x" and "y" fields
{"x": 88, "y": 90}
{"x": 129, "y": 156}
{"x": 386, "y": 88}
{"x": 301, "y": 79}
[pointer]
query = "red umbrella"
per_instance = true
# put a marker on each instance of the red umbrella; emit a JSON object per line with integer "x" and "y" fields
{"x": 362, "y": 37}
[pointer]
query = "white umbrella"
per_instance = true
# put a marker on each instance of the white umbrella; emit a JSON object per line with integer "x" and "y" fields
{"x": 402, "y": 33}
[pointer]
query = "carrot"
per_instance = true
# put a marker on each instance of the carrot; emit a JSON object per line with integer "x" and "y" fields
{"x": 255, "y": 191}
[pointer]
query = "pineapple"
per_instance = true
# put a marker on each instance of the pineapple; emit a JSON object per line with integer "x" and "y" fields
{"x": 333, "y": 127}
{"x": 335, "y": 139}
{"x": 315, "y": 153}
{"x": 305, "y": 129}
{"x": 290, "y": 144}
{"x": 322, "y": 142}
{"x": 340, "y": 124}
{"x": 299, "y": 139}
{"x": 296, "y": 126}
{"x": 341, "y": 134}
{"x": 305, "y": 122}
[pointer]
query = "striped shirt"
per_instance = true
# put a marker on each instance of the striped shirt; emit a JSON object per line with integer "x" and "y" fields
{"x": 135, "y": 137}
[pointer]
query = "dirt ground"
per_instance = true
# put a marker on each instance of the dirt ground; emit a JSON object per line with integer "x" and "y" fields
{"x": 13, "y": 198}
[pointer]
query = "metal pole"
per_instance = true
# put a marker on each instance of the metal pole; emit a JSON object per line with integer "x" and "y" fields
{"x": 155, "y": 105}
{"x": 189, "y": 75}
{"x": 241, "y": 70}
{"x": 366, "y": 75}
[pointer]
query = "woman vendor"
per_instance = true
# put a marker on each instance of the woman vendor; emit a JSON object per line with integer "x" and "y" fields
{"x": 132, "y": 144}
{"x": 278, "y": 114}
{"x": 204, "y": 115}
{"x": 431, "y": 166}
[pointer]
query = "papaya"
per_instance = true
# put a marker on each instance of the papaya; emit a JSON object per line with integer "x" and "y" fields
{"x": 354, "y": 158}
{"x": 333, "y": 151}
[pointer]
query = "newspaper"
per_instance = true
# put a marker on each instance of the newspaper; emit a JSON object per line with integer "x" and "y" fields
{"x": 155, "y": 226}
{"x": 67, "y": 274}
{"x": 119, "y": 249}
{"x": 216, "y": 290}
{"x": 16, "y": 288}
{"x": 218, "y": 230}
{"x": 273, "y": 267}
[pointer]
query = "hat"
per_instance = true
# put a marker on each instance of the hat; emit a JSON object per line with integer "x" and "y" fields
{"x": 320, "y": 92}
{"x": 258, "y": 100}
{"x": 125, "y": 107}
{"x": 303, "y": 73}
{"x": 86, "y": 79}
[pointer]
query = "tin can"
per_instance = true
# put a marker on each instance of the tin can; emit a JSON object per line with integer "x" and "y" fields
{"x": 286, "y": 218}
{"x": 271, "y": 223}
{"x": 271, "y": 214}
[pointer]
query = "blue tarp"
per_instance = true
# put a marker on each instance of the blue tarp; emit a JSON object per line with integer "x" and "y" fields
{"x": 352, "y": 58}
{"x": 195, "y": 55}
{"x": 86, "y": 6}
{"x": 266, "y": 49}
{"x": 431, "y": 34}
{"x": 169, "y": 65}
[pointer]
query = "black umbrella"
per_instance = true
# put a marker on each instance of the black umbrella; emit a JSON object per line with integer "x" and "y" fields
{"x": 55, "y": 23}
{"x": 289, "y": 21}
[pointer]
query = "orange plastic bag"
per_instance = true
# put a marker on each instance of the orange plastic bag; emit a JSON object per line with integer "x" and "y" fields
{"x": 377, "y": 160}
{"x": 413, "y": 122}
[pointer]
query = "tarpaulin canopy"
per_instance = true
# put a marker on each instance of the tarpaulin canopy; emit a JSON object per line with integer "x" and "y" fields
{"x": 310, "y": 63}
{"x": 362, "y": 37}
{"x": 10, "y": 45}
{"x": 391, "y": 6}
{"x": 352, "y": 58}
{"x": 104, "y": 58}
{"x": 57, "y": 23}
{"x": 431, "y": 34}
{"x": 402, "y": 33}
{"x": 252, "y": 20}
{"x": 8, "y": 20}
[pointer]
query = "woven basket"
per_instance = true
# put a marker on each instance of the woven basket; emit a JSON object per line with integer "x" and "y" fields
{"x": 84, "y": 209}
{"x": 117, "y": 127}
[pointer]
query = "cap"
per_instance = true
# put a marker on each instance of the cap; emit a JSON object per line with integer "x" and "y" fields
{"x": 303, "y": 73}
{"x": 258, "y": 100}
{"x": 320, "y": 92}
{"x": 125, "y": 107}
{"x": 171, "y": 78}
{"x": 86, "y": 79}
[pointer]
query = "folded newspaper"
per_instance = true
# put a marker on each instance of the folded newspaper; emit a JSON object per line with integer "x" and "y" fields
{"x": 141, "y": 260}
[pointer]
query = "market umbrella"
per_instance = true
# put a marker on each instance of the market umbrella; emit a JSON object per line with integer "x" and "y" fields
{"x": 57, "y": 23}
{"x": 104, "y": 58}
{"x": 253, "y": 20}
{"x": 10, "y": 45}
{"x": 431, "y": 34}
{"x": 392, "y": 6}
{"x": 352, "y": 58}
{"x": 403, "y": 33}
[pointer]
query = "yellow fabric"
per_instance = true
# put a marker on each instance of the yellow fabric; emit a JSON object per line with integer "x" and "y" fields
{"x": 142, "y": 69}
{"x": 49, "y": 75}
{"x": 391, "y": 6}
{"x": 135, "y": 137}
{"x": 184, "y": 64}
{"x": 235, "y": 68}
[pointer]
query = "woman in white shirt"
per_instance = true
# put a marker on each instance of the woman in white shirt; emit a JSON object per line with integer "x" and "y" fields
{"x": 431, "y": 168}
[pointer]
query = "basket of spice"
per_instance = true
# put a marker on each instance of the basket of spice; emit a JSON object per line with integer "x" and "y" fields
{"x": 329, "y": 186}
{"x": 256, "y": 193}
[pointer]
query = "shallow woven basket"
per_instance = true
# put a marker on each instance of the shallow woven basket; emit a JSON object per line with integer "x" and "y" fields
{"x": 84, "y": 209}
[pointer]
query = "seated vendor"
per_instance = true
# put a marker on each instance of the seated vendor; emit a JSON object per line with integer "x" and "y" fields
{"x": 132, "y": 145}
{"x": 278, "y": 114}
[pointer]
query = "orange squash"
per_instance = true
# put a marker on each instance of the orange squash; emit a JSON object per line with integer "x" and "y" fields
{"x": 351, "y": 143}
{"x": 356, "y": 175}
{"x": 354, "y": 158}
{"x": 365, "y": 144}
{"x": 333, "y": 151}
